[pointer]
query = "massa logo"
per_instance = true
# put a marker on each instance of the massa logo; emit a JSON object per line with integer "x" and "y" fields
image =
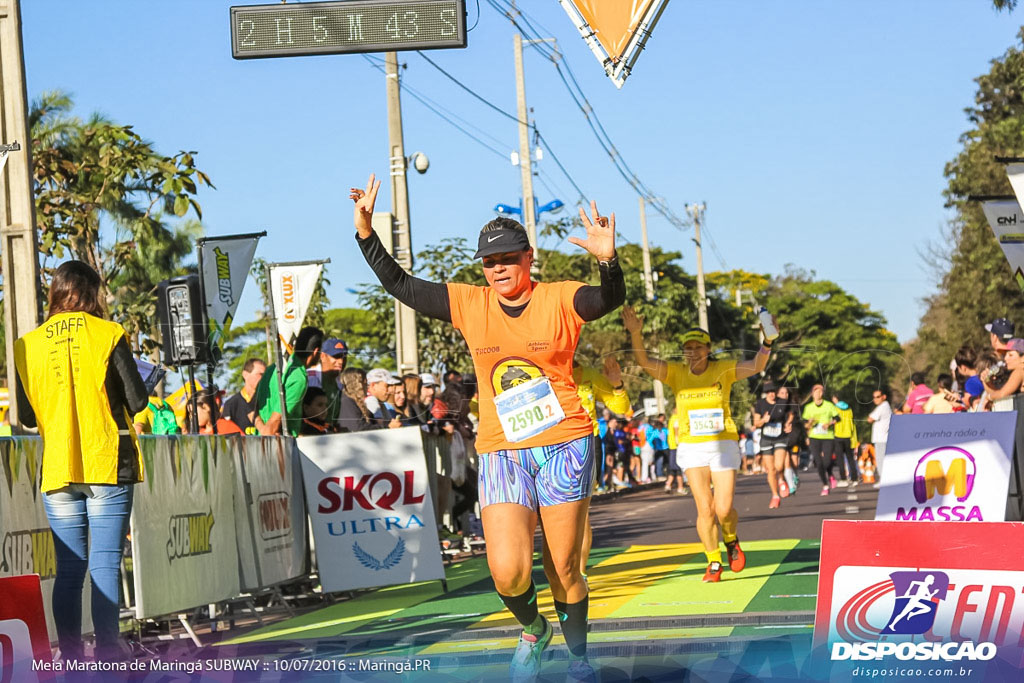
{"x": 512, "y": 372}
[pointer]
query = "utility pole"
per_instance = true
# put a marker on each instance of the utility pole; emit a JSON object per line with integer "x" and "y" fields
{"x": 659, "y": 390}
{"x": 525, "y": 163}
{"x": 17, "y": 210}
{"x": 697, "y": 212}
{"x": 406, "y": 343}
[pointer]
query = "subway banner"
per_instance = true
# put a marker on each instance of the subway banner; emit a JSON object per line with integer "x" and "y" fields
{"x": 947, "y": 468}
{"x": 26, "y": 544}
{"x": 270, "y": 514}
{"x": 921, "y": 598}
{"x": 370, "y": 507}
{"x": 225, "y": 266}
{"x": 183, "y": 525}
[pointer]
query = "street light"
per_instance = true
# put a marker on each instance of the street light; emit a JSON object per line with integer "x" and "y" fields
{"x": 554, "y": 206}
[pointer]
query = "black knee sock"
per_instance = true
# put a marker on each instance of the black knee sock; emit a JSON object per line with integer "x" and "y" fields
{"x": 573, "y": 618}
{"x": 523, "y": 607}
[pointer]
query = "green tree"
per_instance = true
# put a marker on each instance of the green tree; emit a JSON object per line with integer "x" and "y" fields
{"x": 976, "y": 284}
{"x": 103, "y": 195}
{"x": 829, "y": 337}
{"x": 1008, "y": 5}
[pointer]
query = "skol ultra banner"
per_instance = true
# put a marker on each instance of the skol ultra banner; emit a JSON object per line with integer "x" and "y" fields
{"x": 226, "y": 262}
{"x": 942, "y": 468}
{"x": 1007, "y": 222}
{"x": 292, "y": 288}
{"x": 370, "y": 507}
{"x": 26, "y": 543}
{"x": 183, "y": 525}
{"x": 271, "y": 527}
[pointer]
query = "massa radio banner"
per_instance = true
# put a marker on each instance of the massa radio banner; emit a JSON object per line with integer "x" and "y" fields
{"x": 947, "y": 468}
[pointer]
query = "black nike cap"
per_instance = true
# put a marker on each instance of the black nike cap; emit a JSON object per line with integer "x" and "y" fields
{"x": 501, "y": 241}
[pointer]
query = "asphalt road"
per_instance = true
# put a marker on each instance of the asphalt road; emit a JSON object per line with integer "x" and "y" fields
{"x": 651, "y": 516}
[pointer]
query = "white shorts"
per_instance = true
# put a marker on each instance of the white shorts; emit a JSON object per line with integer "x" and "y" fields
{"x": 718, "y": 455}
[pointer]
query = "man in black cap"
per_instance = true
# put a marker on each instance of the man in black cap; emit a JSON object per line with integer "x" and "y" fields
{"x": 1000, "y": 331}
{"x": 327, "y": 374}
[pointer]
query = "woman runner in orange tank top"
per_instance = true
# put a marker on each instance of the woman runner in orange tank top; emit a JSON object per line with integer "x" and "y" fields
{"x": 535, "y": 438}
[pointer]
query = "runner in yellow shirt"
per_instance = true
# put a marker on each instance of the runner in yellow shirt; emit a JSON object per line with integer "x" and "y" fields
{"x": 709, "y": 450}
{"x": 675, "y": 473}
{"x": 593, "y": 386}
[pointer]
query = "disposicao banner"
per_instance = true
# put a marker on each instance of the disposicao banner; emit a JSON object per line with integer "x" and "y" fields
{"x": 226, "y": 262}
{"x": 292, "y": 288}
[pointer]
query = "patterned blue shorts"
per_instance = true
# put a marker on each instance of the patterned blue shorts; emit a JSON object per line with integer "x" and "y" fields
{"x": 538, "y": 477}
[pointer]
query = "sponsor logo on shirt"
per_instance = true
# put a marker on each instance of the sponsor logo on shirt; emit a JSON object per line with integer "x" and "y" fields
{"x": 512, "y": 372}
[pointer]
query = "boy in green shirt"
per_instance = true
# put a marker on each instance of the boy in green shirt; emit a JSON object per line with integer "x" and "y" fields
{"x": 268, "y": 398}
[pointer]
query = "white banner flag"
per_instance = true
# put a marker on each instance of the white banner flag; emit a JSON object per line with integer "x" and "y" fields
{"x": 1007, "y": 222}
{"x": 372, "y": 517}
{"x": 1015, "y": 172}
{"x": 292, "y": 287}
{"x": 226, "y": 262}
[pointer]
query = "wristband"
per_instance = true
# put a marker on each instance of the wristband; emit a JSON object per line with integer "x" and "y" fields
{"x": 765, "y": 350}
{"x": 619, "y": 388}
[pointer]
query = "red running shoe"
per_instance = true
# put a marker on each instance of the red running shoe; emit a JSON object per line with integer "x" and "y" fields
{"x": 774, "y": 502}
{"x": 713, "y": 573}
{"x": 737, "y": 558}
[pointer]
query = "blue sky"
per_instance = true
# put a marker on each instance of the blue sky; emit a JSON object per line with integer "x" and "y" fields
{"x": 815, "y": 132}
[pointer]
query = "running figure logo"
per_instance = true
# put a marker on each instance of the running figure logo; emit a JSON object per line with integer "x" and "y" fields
{"x": 917, "y": 600}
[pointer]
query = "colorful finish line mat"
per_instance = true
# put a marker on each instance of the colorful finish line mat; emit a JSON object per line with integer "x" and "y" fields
{"x": 645, "y": 601}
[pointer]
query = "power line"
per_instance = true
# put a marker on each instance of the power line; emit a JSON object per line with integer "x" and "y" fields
{"x": 436, "y": 110}
{"x": 593, "y": 121}
{"x": 540, "y": 137}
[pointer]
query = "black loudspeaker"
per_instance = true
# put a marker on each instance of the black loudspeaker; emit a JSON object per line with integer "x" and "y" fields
{"x": 183, "y": 324}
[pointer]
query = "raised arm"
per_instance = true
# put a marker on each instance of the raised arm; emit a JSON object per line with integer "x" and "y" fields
{"x": 656, "y": 368}
{"x": 428, "y": 298}
{"x": 747, "y": 368}
{"x": 609, "y": 389}
{"x": 1012, "y": 386}
{"x": 593, "y": 302}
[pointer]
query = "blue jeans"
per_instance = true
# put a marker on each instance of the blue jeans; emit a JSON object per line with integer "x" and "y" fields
{"x": 88, "y": 520}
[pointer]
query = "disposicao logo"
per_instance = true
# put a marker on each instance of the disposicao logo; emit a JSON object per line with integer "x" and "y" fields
{"x": 940, "y": 472}
{"x": 916, "y": 598}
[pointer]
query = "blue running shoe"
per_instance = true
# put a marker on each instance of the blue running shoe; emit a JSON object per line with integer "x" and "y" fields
{"x": 526, "y": 660}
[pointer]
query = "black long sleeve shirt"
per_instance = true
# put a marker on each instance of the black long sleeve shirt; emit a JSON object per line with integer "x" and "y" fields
{"x": 431, "y": 298}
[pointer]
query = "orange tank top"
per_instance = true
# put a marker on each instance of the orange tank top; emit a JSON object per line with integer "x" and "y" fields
{"x": 509, "y": 351}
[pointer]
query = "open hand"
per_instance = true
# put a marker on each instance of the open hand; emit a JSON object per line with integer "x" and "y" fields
{"x": 612, "y": 371}
{"x": 600, "y": 233}
{"x": 364, "y": 200}
{"x": 632, "y": 321}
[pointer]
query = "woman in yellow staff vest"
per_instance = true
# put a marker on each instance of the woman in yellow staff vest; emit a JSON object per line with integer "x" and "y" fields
{"x": 79, "y": 384}
{"x": 708, "y": 441}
